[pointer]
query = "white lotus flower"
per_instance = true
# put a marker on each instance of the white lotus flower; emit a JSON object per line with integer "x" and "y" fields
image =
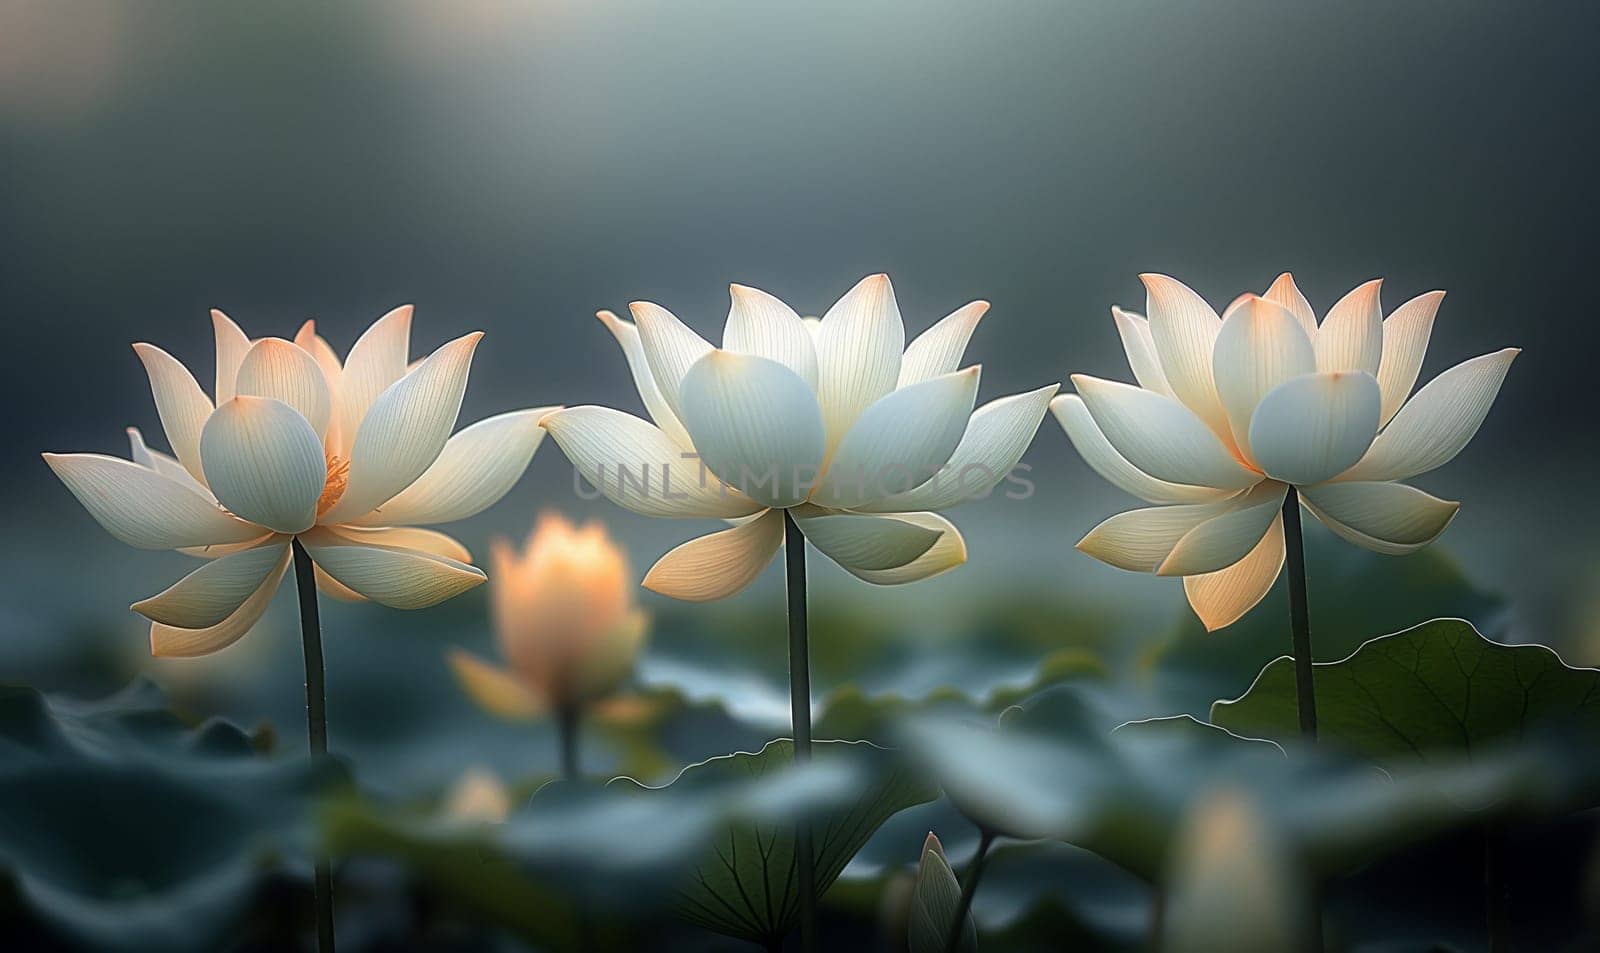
{"x": 342, "y": 457}
{"x": 826, "y": 419}
{"x": 1230, "y": 412}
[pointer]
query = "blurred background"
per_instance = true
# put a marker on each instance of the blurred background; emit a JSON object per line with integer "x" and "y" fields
{"x": 512, "y": 167}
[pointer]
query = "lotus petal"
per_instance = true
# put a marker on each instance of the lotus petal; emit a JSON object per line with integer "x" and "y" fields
{"x": 475, "y": 469}
{"x": 638, "y": 467}
{"x": 1104, "y": 459}
{"x": 670, "y": 348}
{"x": 938, "y": 350}
{"x": 719, "y": 564}
{"x": 282, "y": 370}
{"x": 762, "y": 325}
{"x": 143, "y": 508}
{"x": 1225, "y": 539}
{"x": 1389, "y": 518}
{"x": 405, "y": 430}
{"x": 1184, "y": 330}
{"x": 756, "y": 425}
{"x": 997, "y": 436}
{"x": 1221, "y": 598}
{"x": 859, "y": 344}
{"x": 906, "y": 436}
{"x": 394, "y": 577}
{"x": 172, "y": 642}
{"x": 1351, "y": 336}
{"x": 1161, "y": 436}
{"x": 375, "y": 362}
{"x": 216, "y": 590}
{"x": 1259, "y": 347}
{"x": 1316, "y": 426}
{"x": 181, "y": 404}
{"x": 1434, "y": 426}
{"x": 654, "y": 403}
{"x": 264, "y": 463}
{"x": 1405, "y": 342}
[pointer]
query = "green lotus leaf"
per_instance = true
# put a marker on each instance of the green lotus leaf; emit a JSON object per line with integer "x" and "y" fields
{"x": 1051, "y": 769}
{"x": 1055, "y": 768}
{"x": 852, "y": 714}
{"x": 1035, "y": 895}
{"x": 711, "y": 680}
{"x": 743, "y": 884}
{"x": 1353, "y": 594}
{"x": 125, "y": 828}
{"x": 716, "y": 844}
{"x": 1439, "y": 690}
{"x": 868, "y": 668}
{"x": 462, "y": 863}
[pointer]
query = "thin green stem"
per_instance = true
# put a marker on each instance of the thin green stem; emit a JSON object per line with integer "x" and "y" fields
{"x": 568, "y": 718}
{"x": 316, "y": 723}
{"x": 968, "y": 890}
{"x": 1299, "y": 615}
{"x": 1304, "y": 683}
{"x": 794, "y": 547}
{"x": 567, "y": 723}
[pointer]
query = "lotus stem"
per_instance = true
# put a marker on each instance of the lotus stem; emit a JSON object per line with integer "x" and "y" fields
{"x": 568, "y": 718}
{"x": 316, "y": 723}
{"x": 968, "y": 890}
{"x": 1496, "y": 896}
{"x": 1305, "y": 689}
{"x": 1158, "y": 918}
{"x": 567, "y": 723}
{"x": 794, "y": 549}
{"x": 1299, "y": 615}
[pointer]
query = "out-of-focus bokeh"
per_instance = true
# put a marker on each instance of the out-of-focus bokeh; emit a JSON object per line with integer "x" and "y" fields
{"x": 512, "y": 167}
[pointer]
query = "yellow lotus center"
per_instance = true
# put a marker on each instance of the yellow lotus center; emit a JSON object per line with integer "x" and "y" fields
{"x": 338, "y": 479}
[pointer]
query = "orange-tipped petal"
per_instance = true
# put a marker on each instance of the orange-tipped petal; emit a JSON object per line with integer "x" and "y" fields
{"x": 720, "y": 564}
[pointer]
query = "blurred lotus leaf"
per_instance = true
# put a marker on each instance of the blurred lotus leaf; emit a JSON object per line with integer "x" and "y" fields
{"x": 124, "y": 828}
{"x": 654, "y": 732}
{"x": 1193, "y": 668}
{"x": 934, "y": 902}
{"x": 711, "y": 680}
{"x": 1038, "y": 895}
{"x": 1051, "y": 770}
{"x": 745, "y": 886}
{"x": 868, "y": 666}
{"x": 1054, "y": 768}
{"x": 1439, "y": 689}
{"x": 462, "y": 861}
{"x": 1035, "y": 894}
{"x": 851, "y": 713}
{"x": 631, "y": 852}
